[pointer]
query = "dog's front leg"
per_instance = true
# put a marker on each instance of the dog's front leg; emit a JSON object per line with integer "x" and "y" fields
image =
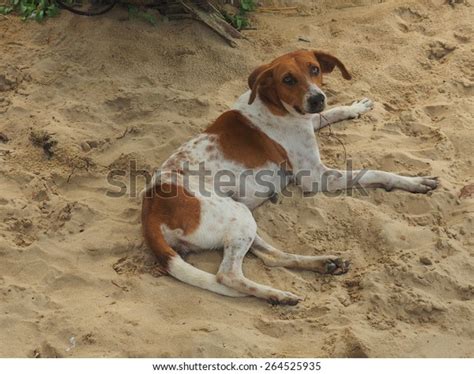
{"x": 331, "y": 180}
{"x": 342, "y": 113}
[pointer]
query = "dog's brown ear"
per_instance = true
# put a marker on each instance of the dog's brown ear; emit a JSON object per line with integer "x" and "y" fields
{"x": 258, "y": 76}
{"x": 329, "y": 62}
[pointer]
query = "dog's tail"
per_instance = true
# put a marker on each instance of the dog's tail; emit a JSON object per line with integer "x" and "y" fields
{"x": 172, "y": 263}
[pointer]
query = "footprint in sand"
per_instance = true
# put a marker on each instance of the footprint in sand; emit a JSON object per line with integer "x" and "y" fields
{"x": 437, "y": 111}
{"x": 410, "y": 15}
{"x": 401, "y": 73}
{"x": 404, "y": 163}
{"x": 437, "y": 50}
{"x": 141, "y": 263}
{"x": 410, "y": 20}
{"x": 10, "y": 78}
{"x": 347, "y": 344}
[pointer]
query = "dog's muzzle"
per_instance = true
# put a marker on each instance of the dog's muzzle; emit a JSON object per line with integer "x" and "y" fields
{"x": 316, "y": 103}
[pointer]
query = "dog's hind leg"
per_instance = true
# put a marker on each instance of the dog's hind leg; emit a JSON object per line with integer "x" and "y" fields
{"x": 172, "y": 205}
{"x": 321, "y": 264}
{"x": 237, "y": 244}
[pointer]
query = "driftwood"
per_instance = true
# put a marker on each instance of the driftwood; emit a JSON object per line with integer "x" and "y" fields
{"x": 201, "y": 10}
{"x": 213, "y": 19}
{"x": 286, "y": 9}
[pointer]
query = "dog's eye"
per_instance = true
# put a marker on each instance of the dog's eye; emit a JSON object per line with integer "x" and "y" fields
{"x": 313, "y": 70}
{"x": 289, "y": 80}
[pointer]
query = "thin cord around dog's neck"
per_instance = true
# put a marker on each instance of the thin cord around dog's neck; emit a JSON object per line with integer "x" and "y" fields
{"x": 331, "y": 134}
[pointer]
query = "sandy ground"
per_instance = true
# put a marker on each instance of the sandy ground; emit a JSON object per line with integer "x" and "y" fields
{"x": 82, "y": 96}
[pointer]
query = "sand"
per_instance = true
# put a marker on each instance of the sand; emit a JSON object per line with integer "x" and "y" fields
{"x": 81, "y": 96}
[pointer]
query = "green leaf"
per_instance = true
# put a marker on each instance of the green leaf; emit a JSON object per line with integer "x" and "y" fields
{"x": 239, "y": 23}
{"x": 52, "y": 10}
{"x": 247, "y": 5}
{"x": 31, "y": 9}
{"x": 6, "y": 9}
{"x": 39, "y": 15}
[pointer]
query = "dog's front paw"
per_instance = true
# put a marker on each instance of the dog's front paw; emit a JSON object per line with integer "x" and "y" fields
{"x": 421, "y": 184}
{"x": 360, "y": 107}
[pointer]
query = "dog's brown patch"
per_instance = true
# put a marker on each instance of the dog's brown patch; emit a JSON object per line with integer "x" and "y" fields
{"x": 173, "y": 206}
{"x": 242, "y": 142}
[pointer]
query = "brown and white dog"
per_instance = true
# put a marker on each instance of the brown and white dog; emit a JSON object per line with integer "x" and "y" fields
{"x": 269, "y": 133}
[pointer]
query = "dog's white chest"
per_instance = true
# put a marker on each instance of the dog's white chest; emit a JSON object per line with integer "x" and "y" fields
{"x": 294, "y": 133}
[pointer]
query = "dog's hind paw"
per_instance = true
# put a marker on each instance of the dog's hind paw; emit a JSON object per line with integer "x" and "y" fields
{"x": 284, "y": 298}
{"x": 336, "y": 266}
{"x": 421, "y": 184}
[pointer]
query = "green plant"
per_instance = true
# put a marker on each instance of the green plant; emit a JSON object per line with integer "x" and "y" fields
{"x": 30, "y": 9}
{"x": 248, "y": 5}
{"x": 136, "y": 12}
{"x": 240, "y": 20}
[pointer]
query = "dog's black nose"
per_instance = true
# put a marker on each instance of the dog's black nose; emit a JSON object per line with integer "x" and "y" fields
{"x": 316, "y": 103}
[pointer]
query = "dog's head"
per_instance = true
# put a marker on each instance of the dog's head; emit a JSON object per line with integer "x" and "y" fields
{"x": 292, "y": 82}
